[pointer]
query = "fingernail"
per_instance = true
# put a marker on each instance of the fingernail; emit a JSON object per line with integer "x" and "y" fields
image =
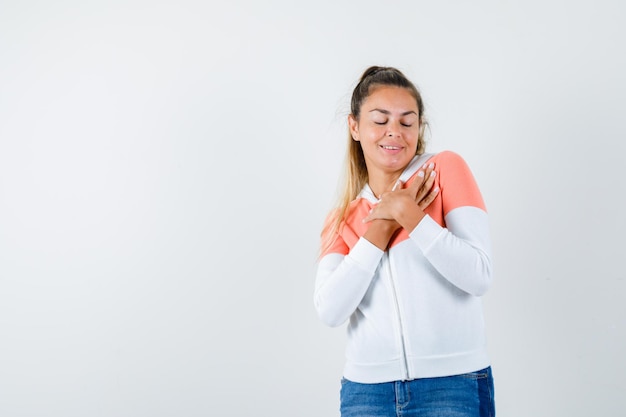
{"x": 420, "y": 173}
{"x": 436, "y": 188}
{"x": 432, "y": 173}
{"x": 431, "y": 165}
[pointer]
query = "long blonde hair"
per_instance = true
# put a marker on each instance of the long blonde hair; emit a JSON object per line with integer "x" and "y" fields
{"x": 355, "y": 175}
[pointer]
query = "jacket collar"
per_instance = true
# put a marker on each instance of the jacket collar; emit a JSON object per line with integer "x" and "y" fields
{"x": 410, "y": 170}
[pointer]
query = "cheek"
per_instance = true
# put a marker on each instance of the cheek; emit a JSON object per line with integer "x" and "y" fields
{"x": 373, "y": 133}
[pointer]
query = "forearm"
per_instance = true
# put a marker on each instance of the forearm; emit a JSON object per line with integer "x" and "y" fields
{"x": 380, "y": 232}
{"x": 461, "y": 253}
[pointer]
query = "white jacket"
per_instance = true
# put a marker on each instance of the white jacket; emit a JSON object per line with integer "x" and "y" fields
{"x": 415, "y": 310}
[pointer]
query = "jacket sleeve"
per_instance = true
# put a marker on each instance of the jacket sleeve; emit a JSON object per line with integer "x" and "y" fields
{"x": 460, "y": 251}
{"x": 342, "y": 281}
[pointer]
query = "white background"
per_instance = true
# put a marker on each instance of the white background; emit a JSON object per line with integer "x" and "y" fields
{"x": 165, "y": 167}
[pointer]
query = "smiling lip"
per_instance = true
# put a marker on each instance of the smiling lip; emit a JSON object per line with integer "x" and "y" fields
{"x": 391, "y": 148}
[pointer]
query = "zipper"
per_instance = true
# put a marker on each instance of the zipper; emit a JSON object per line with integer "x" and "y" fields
{"x": 399, "y": 316}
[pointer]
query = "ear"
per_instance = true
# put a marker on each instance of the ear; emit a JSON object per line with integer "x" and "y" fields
{"x": 422, "y": 126}
{"x": 353, "y": 125}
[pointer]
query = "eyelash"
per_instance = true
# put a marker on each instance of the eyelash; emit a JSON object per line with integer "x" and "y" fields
{"x": 382, "y": 123}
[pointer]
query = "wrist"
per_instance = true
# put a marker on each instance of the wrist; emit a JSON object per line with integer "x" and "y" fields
{"x": 411, "y": 217}
{"x": 388, "y": 227}
{"x": 380, "y": 232}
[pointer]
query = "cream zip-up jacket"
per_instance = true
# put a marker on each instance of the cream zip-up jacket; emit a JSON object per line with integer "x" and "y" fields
{"x": 414, "y": 310}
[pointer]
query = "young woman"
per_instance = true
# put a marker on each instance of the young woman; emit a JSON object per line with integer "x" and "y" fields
{"x": 405, "y": 258}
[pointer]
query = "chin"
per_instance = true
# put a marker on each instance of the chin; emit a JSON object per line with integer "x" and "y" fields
{"x": 399, "y": 163}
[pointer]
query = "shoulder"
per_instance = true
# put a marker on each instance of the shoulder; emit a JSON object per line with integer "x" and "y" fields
{"x": 450, "y": 163}
{"x": 448, "y": 157}
{"x": 457, "y": 183}
{"x": 331, "y": 241}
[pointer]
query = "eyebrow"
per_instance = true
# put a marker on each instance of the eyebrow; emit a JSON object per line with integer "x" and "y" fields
{"x": 388, "y": 112}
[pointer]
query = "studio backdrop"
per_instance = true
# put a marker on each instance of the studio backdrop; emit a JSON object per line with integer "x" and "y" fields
{"x": 166, "y": 167}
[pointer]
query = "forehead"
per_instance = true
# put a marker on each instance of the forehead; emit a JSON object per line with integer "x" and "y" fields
{"x": 390, "y": 98}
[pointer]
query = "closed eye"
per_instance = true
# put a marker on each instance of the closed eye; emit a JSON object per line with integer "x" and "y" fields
{"x": 403, "y": 124}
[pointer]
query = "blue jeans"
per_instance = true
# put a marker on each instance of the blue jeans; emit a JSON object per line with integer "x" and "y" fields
{"x": 467, "y": 395}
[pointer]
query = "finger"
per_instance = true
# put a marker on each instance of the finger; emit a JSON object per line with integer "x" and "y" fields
{"x": 369, "y": 216}
{"x": 429, "y": 198}
{"x": 426, "y": 187}
{"x": 428, "y": 168}
{"x": 422, "y": 176}
{"x": 416, "y": 184}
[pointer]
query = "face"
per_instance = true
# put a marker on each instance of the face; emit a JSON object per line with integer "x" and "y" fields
{"x": 388, "y": 129}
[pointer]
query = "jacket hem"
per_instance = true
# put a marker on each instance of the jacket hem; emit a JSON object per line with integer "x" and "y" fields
{"x": 422, "y": 367}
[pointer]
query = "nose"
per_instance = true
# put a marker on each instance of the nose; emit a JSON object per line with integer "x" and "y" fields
{"x": 393, "y": 130}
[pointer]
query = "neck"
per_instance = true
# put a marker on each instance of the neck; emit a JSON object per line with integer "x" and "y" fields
{"x": 383, "y": 182}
